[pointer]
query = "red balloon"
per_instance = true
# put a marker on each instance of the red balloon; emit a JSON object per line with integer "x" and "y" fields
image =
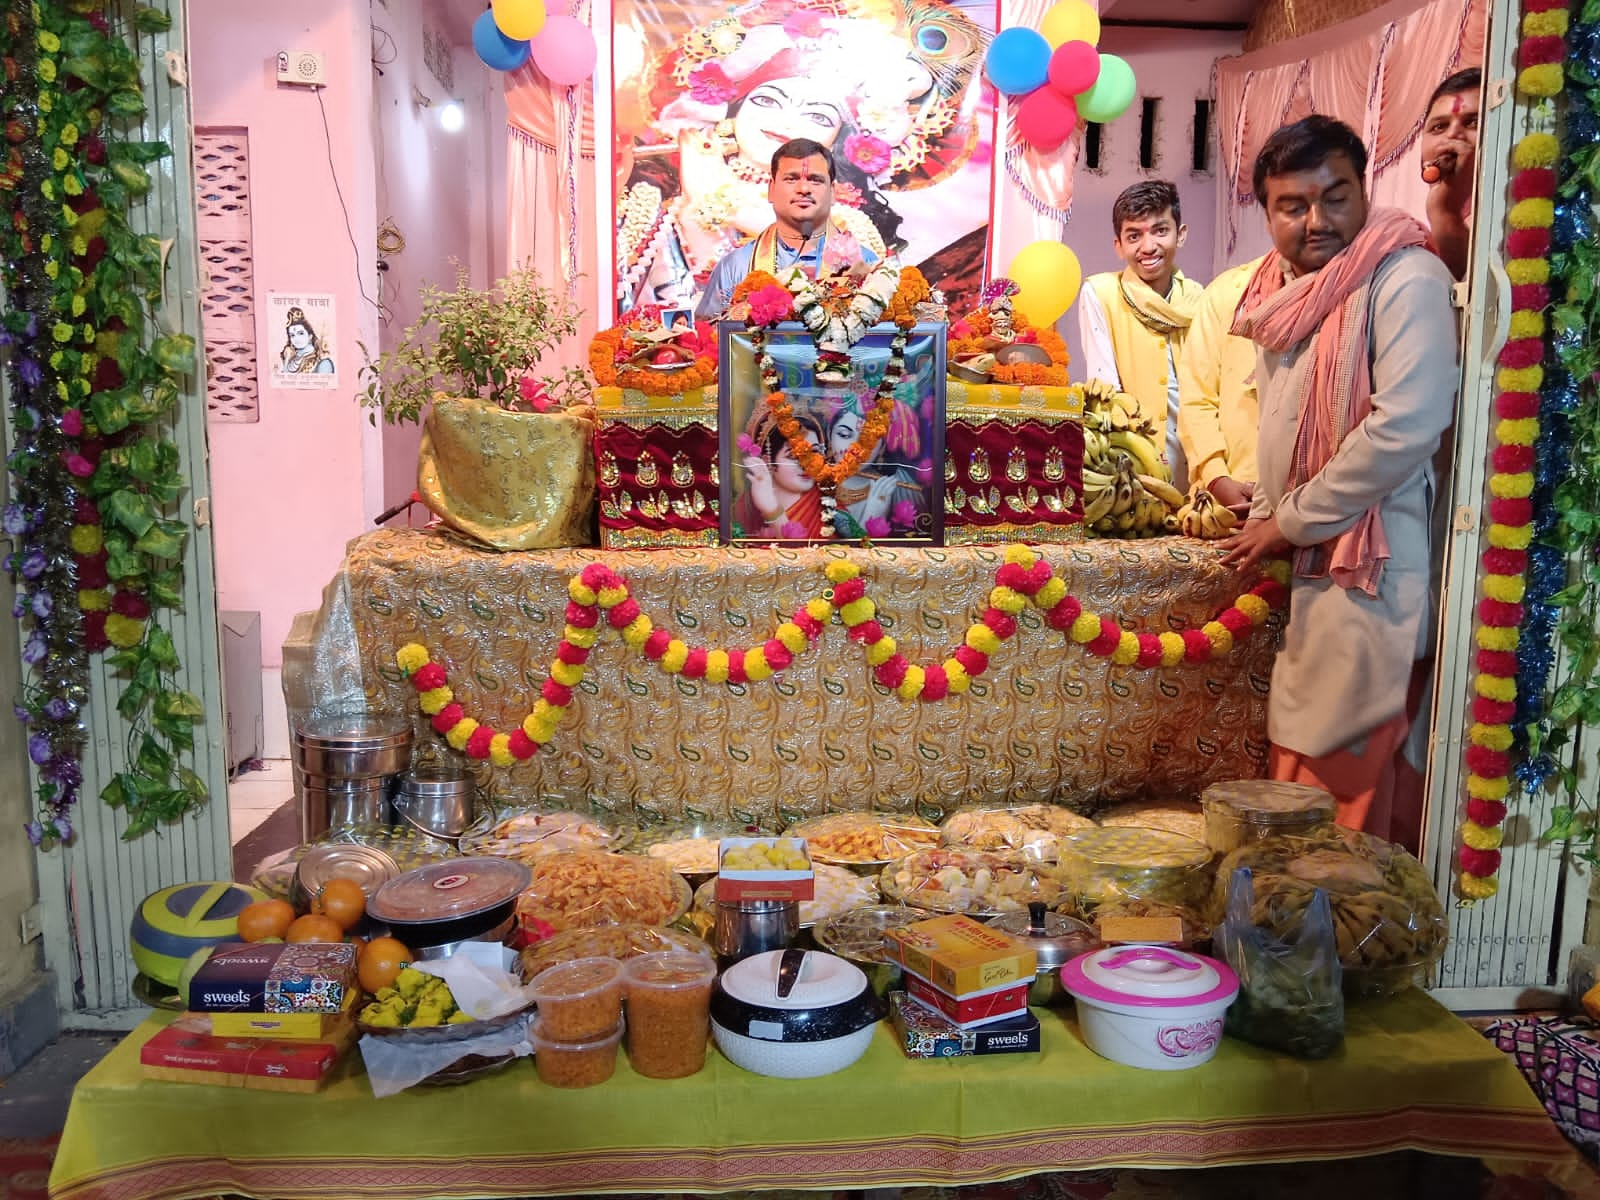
{"x": 1046, "y": 118}
{"x": 1074, "y": 66}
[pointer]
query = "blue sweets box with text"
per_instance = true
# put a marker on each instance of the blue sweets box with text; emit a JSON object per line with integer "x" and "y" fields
{"x": 926, "y": 1033}
{"x": 274, "y": 977}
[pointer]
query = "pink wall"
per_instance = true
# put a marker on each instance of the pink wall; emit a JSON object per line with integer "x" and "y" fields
{"x": 289, "y": 491}
{"x": 1175, "y": 66}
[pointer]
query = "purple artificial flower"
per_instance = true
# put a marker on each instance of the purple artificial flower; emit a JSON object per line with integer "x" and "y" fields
{"x": 63, "y": 827}
{"x": 34, "y": 650}
{"x": 33, "y": 563}
{"x": 20, "y": 604}
{"x": 39, "y": 748}
{"x": 42, "y": 604}
{"x": 905, "y": 514}
{"x": 67, "y": 773}
{"x": 35, "y": 832}
{"x": 14, "y": 520}
{"x": 877, "y": 527}
{"x": 31, "y": 330}
{"x": 59, "y": 708}
{"x": 22, "y": 713}
{"x": 28, "y": 371}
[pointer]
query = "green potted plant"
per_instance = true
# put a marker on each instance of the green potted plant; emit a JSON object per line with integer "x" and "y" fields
{"x": 507, "y": 454}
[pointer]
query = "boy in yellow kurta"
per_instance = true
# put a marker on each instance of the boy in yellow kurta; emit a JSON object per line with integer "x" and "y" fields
{"x": 1134, "y": 321}
{"x": 1217, "y": 394}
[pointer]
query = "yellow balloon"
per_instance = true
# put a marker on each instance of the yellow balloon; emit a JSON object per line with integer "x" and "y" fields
{"x": 1064, "y": 21}
{"x": 1048, "y": 275}
{"x": 519, "y": 20}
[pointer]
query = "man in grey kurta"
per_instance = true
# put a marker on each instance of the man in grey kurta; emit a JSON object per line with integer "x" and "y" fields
{"x": 1361, "y": 609}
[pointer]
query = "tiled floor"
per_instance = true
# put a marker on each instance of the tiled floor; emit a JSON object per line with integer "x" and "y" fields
{"x": 253, "y": 796}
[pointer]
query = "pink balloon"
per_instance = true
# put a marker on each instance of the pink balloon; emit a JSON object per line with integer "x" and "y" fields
{"x": 1046, "y": 118}
{"x": 1074, "y": 66}
{"x": 564, "y": 50}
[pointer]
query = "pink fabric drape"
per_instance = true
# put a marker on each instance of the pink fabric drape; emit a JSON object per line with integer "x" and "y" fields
{"x": 1375, "y": 73}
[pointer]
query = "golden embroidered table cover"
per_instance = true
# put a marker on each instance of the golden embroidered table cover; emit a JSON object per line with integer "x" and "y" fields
{"x": 1047, "y": 720}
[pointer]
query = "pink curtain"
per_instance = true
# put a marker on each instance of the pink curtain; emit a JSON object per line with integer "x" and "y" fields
{"x": 1375, "y": 73}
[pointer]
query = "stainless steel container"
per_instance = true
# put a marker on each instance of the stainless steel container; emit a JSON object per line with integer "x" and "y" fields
{"x": 342, "y": 804}
{"x": 437, "y": 798}
{"x": 746, "y": 927}
{"x": 353, "y": 745}
{"x": 1055, "y": 940}
{"x": 367, "y": 865}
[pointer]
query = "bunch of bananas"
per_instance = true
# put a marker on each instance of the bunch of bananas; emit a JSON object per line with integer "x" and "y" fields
{"x": 1127, "y": 489}
{"x": 1203, "y": 516}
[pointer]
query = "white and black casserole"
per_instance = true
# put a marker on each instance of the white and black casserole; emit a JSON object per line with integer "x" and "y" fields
{"x": 794, "y": 1014}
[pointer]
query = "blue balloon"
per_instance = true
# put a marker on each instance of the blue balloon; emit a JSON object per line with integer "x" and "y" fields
{"x": 497, "y": 51}
{"x": 1018, "y": 61}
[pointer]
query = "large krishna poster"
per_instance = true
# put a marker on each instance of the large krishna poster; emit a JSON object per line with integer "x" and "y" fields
{"x": 705, "y": 92}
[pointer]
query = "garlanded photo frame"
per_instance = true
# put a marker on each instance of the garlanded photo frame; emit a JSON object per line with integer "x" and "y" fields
{"x": 767, "y": 495}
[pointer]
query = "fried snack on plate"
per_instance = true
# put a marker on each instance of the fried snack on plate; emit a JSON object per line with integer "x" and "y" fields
{"x": 838, "y": 889}
{"x": 581, "y": 888}
{"x": 966, "y": 881}
{"x": 1182, "y": 817}
{"x": 864, "y": 838}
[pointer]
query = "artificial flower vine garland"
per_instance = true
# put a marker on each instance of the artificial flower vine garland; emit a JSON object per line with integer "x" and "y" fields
{"x": 93, "y": 475}
{"x": 1540, "y": 59}
{"x": 598, "y": 592}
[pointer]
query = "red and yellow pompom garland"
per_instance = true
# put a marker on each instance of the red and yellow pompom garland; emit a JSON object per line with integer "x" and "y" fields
{"x": 598, "y": 593}
{"x": 1518, "y": 379}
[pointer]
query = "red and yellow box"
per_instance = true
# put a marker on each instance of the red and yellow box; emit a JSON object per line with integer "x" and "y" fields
{"x": 969, "y": 1011}
{"x": 184, "y": 1053}
{"x": 960, "y": 956}
{"x": 764, "y": 869}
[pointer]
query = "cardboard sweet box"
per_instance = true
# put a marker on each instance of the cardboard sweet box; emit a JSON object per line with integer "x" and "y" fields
{"x": 973, "y": 1009}
{"x": 184, "y": 1052}
{"x": 275, "y": 977}
{"x": 961, "y": 956}
{"x": 926, "y": 1033}
{"x": 764, "y": 869}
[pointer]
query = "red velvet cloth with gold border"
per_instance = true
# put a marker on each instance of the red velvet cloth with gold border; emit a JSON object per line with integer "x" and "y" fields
{"x": 1013, "y": 478}
{"x": 657, "y": 479}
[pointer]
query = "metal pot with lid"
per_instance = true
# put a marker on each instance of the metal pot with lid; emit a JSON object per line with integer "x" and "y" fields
{"x": 367, "y": 865}
{"x": 362, "y": 745}
{"x": 436, "y": 798}
{"x": 456, "y": 900}
{"x": 1055, "y": 940}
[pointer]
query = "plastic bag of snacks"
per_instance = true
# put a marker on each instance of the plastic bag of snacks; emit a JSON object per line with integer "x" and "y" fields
{"x": 1388, "y": 922}
{"x": 621, "y": 942}
{"x": 864, "y": 838}
{"x": 1032, "y": 829}
{"x": 1290, "y": 987}
{"x": 576, "y": 889}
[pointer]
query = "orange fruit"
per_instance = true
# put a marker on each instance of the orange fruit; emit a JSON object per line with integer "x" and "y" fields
{"x": 343, "y": 900}
{"x": 380, "y": 961}
{"x": 314, "y": 927}
{"x": 265, "y": 919}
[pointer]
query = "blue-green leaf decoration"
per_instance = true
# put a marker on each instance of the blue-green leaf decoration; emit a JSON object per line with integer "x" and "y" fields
{"x": 976, "y": 752}
{"x": 784, "y": 686}
{"x": 529, "y": 611}
{"x": 1118, "y": 687}
{"x": 1207, "y": 746}
{"x": 1116, "y": 750}
{"x": 595, "y": 751}
{"x": 737, "y": 620}
{"x": 979, "y": 690}
{"x": 685, "y": 619}
{"x": 642, "y": 753}
{"x": 930, "y": 753}
{"x": 430, "y": 607}
{"x": 686, "y": 687}
{"x": 1024, "y": 687}
{"x": 881, "y": 752}
{"x": 787, "y": 753}
{"x": 1074, "y": 688}
{"x": 835, "y": 754}
{"x": 1069, "y": 751}
{"x": 634, "y": 686}
{"x": 832, "y": 686}
{"x": 588, "y": 686}
{"x": 1180, "y": 555}
{"x": 481, "y": 610}
{"x": 390, "y": 672}
{"x": 1168, "y": 687}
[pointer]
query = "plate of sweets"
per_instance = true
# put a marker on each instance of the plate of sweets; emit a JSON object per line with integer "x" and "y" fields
{"x": 864, "y": 839}
{"x": 528, "y": 835}
{"x": 976, "y": 882}
{"x": 1032, "y": 830}
{"x": 837, "y": 890}
{"x": 688, "y": 847}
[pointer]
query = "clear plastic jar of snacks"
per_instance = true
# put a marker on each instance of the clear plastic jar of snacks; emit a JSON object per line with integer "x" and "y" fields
{"x": 579, "y": 999}
{"x": 574, "y": 1064}
{"x": 669, "y": 1012}
{"x": 1242, "y": 811}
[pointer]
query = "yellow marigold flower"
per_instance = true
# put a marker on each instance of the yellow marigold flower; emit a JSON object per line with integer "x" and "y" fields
{"x": 881, "y": 651}
{"x": 531, "y": 722}
{"x": 1524, "y": 430}
{"x": 756, "y": 666}
{"x": 1526, "y": 324}
{"x": 583, "y": 639}
{"x": 1516, "y": 486}
{"x": 982, "y": 639}
{"x": 792, "y": 637}
{"x": 543, "y": 711}
{"x": 47, "y": 70}
{"x": 1542, "y": 80}
{"x": 47, "y": 241}
{"x": 68, "y": 217}
{"x": 62, "y": 390}
{"x": 1172, "y": 649}
{"x": 86, "y": 539}
{"x": 1528, "y": 270}
{"x": 434, "y": 700}
{"x": 48, "y": 42}
{"x": 62, "y": 331}
{"x": 1022, "y": 555}
{"x": 610, "y": 597}
{"x": 1532, "y": 213}
{"x": 1536, "y": 150}
{"x": 69, "y": 134}
{"x": 122, "y": 631}
{"x": 857, "y": 611}
{"x": 59, "y": 159}
{"x": 1051, "y": 594}
{"x": 1492, "y": 687}
{"x": 1520, "y": 379}
{"x": 79, "y": 245}
{"x": 1490, "y": 638}
{"x": 1085, "y": 629}
{"x": 1127, "y": 651}
{"x": 57, "y": 357}
{"x": 911, "y": 686}
{"x": 1252, "y": 606}
{"x": 1007, "y": 600}
{"x": 52, "y": 268}
{"x": 570, "y": 674}
{"x": 1480, "y": 788}
{"x": 94, "y": 599}
{"x": 1474, "y": 887}
{"x": 1278, "y": 569}
{"x": 78, "y": 304}
{"x": 1508, "y": 589}
{"x": 819, "y": 609}
{"x": 539, "y": 734}
{"x": 47, "y": 102}
{"x": 1221, "y": 637}
{"x": 840, "y": 569}
{"x": 677, "y": 654}
{"x": 960, "y": 681}
{"x": 1491, "y": 737}
{"x": 500, "y": 750}
{"x": 1504, "y": 537}
{"x": 72, "y": 185}
{"x": 580, "y": 592}
{"x": 636, "y": 630}
{"x": 717, "y": 666}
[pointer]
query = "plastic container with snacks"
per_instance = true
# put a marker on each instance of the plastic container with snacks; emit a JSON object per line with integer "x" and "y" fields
{"x": 669, "y": 1012}
{"x": 620, "y": 942}
{"x": 1247, "y": 810}
{"x": 1182, "y": 817}
{"x": 1101, "y": 865}
{"x": 967, "y": 881}
{"x": 864, "y": 839}
{"x": 580, "y": 999}
{"x": 574, "y": 1064}
{"x": 578, "y": 889}
{"x": 1032, "y": 830}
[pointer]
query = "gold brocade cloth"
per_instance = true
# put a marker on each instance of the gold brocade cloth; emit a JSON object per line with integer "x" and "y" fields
{"x": 1047, "y": 720}
{"x": 513, "y": 480}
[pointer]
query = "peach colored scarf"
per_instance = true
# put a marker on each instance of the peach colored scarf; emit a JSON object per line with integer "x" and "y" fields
{"x": 1333, "y": 306}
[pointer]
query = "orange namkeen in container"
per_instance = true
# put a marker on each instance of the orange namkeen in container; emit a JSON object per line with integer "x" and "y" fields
{"x": 580, "y": 999}
{"x": 574, "y": 1064}
{"x": 669, "y": 1012}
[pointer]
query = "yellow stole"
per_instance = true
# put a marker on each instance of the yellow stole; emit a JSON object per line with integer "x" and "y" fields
{"x": 1143, "y": 325}
{"x": 764, "y": 257}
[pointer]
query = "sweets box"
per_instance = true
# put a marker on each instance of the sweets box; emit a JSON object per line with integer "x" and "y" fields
{"x": 924, "y": 1033}
{"x": 960, "y": 956}
{"x": 304, "y": 1026}
{"x": 184, "y": 1052}
{"x": 973, "y": 1009}
{"x": 275, "y": 977}
{"x": 735, "y": 884}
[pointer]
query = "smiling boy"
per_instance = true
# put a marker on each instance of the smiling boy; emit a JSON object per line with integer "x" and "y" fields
{"x": 1133, "y": 322}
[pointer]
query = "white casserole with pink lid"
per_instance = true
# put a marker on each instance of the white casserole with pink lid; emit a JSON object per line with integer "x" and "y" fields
{"x": 1150, "y": 1006}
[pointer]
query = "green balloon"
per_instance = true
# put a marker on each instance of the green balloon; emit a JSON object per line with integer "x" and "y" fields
{"x": 1112, "y": 92}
